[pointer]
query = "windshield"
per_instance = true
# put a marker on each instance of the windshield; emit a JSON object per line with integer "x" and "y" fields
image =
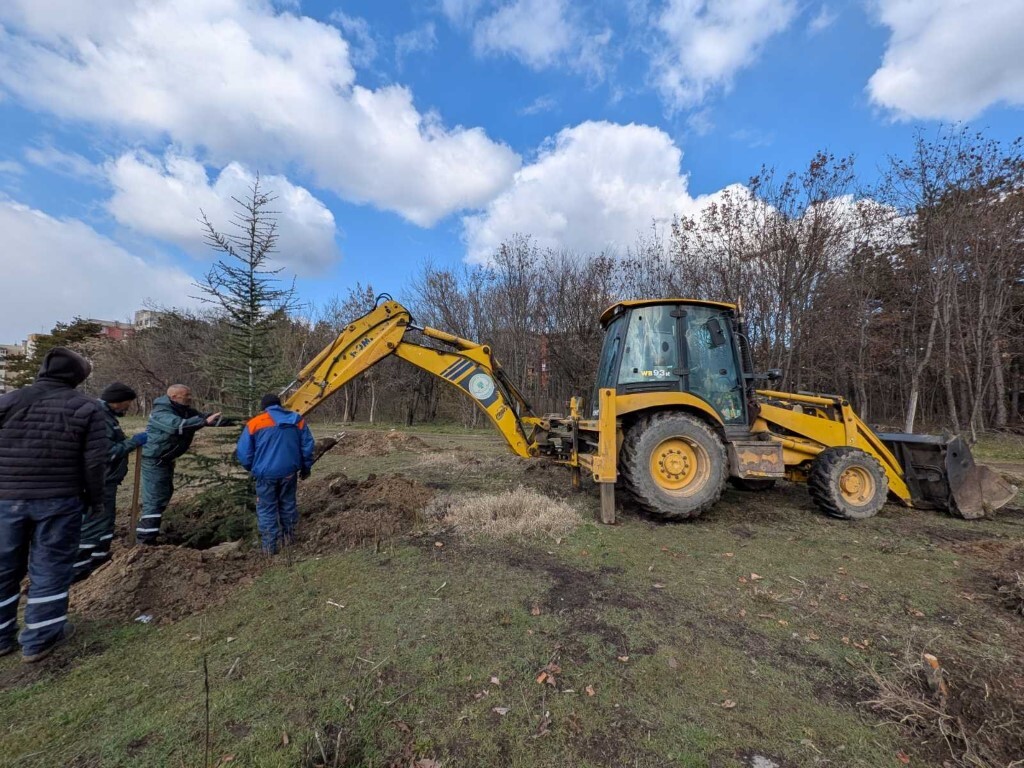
{"x": 651, "y": 347}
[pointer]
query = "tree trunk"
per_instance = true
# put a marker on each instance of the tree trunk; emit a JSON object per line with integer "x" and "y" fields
{"x": 1002, "y": 418}
{"x": 915, "y": 379}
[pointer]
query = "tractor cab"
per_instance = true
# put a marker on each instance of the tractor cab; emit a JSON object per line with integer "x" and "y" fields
{"x": 676, "y": 345}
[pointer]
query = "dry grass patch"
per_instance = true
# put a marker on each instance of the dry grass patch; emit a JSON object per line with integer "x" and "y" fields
{"x": 521, "y": 512}
{"x": 967, "y": 716}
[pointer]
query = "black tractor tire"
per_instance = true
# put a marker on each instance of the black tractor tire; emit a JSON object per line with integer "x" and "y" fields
{"x": 848, "y": 483}
{"x": 680, "y": 445}
{"x": 752, "y": 484}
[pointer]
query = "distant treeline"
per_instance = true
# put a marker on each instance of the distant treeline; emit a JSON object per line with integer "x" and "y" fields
{"x": 905, "y": 296}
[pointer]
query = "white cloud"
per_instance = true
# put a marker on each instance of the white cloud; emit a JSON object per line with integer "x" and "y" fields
{"x": 163, "y": 198}
{"x": 363, "y": 46}
{"x": 69, "y": 164}
{"x": 825, "y": 18}
{"x": 243, "y": 82}
{"x": 11, "y": 168}
{"x": 420, "y": 40}
{"x": 539, "y": 105}
{"x": 706, "y": 42}
{"x": 949, "y": 59}
{"x": 55, "y": 269}
{"x": 594, "y": 186}
{"x": 538, "y": 33}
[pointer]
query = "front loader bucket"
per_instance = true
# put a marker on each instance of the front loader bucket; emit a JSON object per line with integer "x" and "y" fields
{"x": 941, "y": 474}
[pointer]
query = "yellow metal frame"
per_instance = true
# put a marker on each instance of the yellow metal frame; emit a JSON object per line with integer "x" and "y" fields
{"x": 618, "y": 306}
{"x": 811, "y": 433}
{"x": 471, "y": 368}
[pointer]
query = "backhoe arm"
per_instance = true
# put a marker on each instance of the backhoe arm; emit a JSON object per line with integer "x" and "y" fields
{"x": 468, "y": 366}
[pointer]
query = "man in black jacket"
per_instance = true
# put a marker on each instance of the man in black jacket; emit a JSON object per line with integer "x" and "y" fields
{"x": 98, "y": 530}
{"x": 53, "y": 455}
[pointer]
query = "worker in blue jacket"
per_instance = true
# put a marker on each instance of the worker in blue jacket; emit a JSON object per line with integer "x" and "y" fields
{"x": 277, "y": 448}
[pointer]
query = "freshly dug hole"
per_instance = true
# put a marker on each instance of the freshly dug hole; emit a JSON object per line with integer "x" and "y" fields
{"x": 522, "y": 512}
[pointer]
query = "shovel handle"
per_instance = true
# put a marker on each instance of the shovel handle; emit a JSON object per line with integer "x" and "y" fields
{"x": 134, "y": 522}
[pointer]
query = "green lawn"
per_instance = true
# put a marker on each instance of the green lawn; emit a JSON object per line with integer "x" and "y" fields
{"x": 745, "y": 633}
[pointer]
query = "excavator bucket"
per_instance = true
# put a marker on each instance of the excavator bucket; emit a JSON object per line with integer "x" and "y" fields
{"x": 941, "y": 474}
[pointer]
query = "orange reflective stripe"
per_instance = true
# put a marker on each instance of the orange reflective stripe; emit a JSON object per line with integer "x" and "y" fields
{"x": 302, "y": 423}
{"x": 256, "y": 423}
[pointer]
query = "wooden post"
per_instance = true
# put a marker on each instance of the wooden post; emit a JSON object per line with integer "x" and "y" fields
{"x": 607, "y": 503}
{"x": 134, "y": 521}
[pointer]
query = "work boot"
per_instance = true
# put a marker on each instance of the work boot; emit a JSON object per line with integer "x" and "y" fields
{"x": 67, "y": 634}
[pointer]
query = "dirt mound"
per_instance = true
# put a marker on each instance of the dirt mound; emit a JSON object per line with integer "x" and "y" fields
{"x": 342, "y": 513}
{"x": 164, "y": 582}
{"x": 372, "y": 443}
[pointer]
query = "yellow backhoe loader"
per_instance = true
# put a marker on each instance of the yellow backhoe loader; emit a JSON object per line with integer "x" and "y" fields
{"x": 676, "y": 414}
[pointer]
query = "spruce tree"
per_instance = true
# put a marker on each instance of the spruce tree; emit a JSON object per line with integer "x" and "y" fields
{"x": 247, "y": 292}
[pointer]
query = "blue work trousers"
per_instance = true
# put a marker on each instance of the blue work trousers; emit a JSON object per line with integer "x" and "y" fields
{"x": 277, "y": 512}
{"x": 38, "y": 537}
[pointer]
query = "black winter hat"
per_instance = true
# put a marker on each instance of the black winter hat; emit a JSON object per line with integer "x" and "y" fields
{"x": 117, "y": 393}
{"x": 269, "y": 400}
{"x": 63, "y": 365}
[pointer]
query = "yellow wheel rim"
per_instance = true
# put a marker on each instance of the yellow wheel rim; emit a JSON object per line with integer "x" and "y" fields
{"x": 679, "y": 465}
{"x": 857, "y": 486}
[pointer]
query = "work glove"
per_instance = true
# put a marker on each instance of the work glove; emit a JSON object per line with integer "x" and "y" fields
{"x": 304, "y": 474}
{"x": 140, "y": 439}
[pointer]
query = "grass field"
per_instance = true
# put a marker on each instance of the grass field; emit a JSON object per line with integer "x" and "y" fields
{"x": 745, "y": 638}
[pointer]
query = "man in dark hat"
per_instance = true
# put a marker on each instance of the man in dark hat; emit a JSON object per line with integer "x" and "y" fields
{"x": 53, "y": 455}
{"x": 277, "y": 448}
{"x": 98, "y": 529}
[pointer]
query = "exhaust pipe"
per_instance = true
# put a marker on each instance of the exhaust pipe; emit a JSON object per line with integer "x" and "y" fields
{"x": 941, "y": 474}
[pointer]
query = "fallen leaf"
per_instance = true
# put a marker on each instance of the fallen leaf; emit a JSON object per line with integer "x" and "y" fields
{"x": 438, "y": 544}
{"x": 783, "y": 623}
{"x": 584, "y": 553}
{"x": 495, "y": 681}
{"x": 529, "y": 631}
{"x": 673, "y": 662}
{"x": 728, "y": 554}
{"x": 535, "y": 610}
{"x": 844, "y": 598}
{"x": 285, "y": 741}
{"x": 590, "y": 691}
{"x": 915, "y": 613}
{"x": 903, "y": 757}
{"x": 542, "y": 677}
{"x": 480, "y": 695}
{"x": 755, "y": 577}
{"x": 664, "y": 549}
{"x": 231, "y": 639}
{"x": 813, "y": 636}
{"x": 743, "y": 613}
{"x": 225, "y": 760}
{"x": 402, "y": 726}
{"x": 544, "y": 728}
{"x": 846, "y": 641}
{"x": 500, "y": 710}
{"x": 623, "y": 659}
{"x": 658, "y": 586}
{"x": 728, "y": 704}
{"x": 650, "y": 568}
{"x": 742, "y": 579}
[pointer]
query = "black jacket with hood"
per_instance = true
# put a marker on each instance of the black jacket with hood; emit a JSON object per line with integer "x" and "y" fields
{"x": 53, "y": 441}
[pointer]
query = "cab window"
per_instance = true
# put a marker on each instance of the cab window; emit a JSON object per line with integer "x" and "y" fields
{"x": 651, "y": 347}
{"x": 712, "y": 362}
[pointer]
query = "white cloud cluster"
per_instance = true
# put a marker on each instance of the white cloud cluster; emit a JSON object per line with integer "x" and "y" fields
{"x": 243, "y": 81}
{"x": 64, "y": 268}
{"x": 595, "y": 186}
{"x": 162, "y": 198}
{"x": 949, "y": 59}
{"x": 539, "y": 33}
{"x": 706, "y": 42}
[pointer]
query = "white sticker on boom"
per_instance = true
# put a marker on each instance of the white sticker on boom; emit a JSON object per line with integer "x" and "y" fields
{"x": 481, "y": 386}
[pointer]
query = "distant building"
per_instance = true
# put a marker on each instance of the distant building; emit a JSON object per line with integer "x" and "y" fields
{"x": 7, "y": 354}
{"x": 113, "y": 330}
{"x": 147, "y": 318}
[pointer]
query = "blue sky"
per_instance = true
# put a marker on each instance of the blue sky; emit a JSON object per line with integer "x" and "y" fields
{"x": 397, "y": 132}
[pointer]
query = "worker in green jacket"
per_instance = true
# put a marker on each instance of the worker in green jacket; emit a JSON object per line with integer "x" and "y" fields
{"x": 172, "y": 425}
{"x": 98, "y": 525}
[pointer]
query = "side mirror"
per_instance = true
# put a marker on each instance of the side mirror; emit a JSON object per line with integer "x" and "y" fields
{"x": 715, "y": 331}
{"x": 774, "y": 374}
